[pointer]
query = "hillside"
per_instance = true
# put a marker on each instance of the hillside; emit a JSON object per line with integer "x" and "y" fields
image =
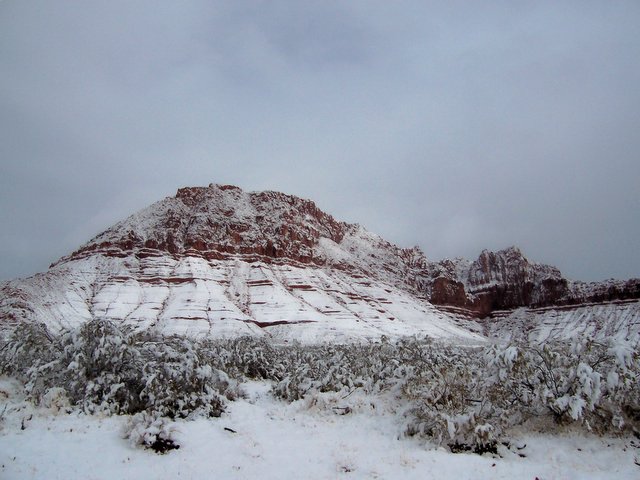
{"x": 218, "y": 262}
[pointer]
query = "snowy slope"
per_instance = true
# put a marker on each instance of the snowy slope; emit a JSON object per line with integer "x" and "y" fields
{"x": 224, "y": 298}
{"x": 217, "y": 261}
{"x": 600, "y": 321}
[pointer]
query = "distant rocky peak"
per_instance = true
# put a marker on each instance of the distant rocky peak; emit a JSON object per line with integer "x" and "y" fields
{"x": 506, "y": 279}
{"x": 414, "y": 257}
{"x": 507, "y": 266}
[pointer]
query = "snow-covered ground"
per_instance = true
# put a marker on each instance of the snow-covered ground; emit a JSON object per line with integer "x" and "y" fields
{"x": 260, "y": 437}
{"x": 601, "y": 322}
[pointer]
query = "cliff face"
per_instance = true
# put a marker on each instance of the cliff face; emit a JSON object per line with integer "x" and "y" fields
{"x": 221, "y": 219}
{"x": 506, "y": 280}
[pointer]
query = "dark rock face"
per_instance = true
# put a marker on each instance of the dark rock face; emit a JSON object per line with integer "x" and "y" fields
{"x": 506, "y": 280}
{"x": 448, "y": 291}
{"x": 223, "y": 219}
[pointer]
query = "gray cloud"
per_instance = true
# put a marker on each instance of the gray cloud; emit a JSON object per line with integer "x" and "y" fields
{"x": 453, "y": 125}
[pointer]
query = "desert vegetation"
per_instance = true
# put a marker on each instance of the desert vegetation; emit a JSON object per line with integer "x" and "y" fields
{"x": 464, "y": 398}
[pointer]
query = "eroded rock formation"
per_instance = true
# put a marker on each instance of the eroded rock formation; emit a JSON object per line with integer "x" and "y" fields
{"x": 220, "y": 261}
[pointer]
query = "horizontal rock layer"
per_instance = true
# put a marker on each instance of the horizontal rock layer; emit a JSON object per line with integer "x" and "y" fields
{"x": 219, "y": 261}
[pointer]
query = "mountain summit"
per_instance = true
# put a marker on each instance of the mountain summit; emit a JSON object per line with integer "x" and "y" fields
{"x": 223, "y": 220}
{"x": 219, "y": 261}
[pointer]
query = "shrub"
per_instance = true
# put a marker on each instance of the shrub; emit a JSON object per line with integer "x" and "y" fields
{"x": 149, "y": 430}
{"x": 463, "y": 397}
{"x": 27, "y": 345}
{"x": 106, "y": 368}
{"x": 100, "y": 368}
{"x": 585, "y": 381}
{"x": 448, "y": 398}
{"x": 177, "y": 383}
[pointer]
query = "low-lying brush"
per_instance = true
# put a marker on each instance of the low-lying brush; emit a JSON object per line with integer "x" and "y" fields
{"x": 467, "y": 398}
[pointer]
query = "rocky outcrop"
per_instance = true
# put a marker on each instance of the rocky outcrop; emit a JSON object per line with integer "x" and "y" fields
{"x": 222, "y": 220}
{"x": 506, "y": 280}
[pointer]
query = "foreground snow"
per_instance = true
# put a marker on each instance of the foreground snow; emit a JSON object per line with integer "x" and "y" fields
{"x": 260, "y": 437}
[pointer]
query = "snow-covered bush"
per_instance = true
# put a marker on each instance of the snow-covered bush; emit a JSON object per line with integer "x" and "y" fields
{"x": 463, "y": 397}
{"x": 150, "y": 430}
{"x": 448, "y": 397}
{"x": 248, "y": 357}
{"x": 99, "y": 368}
{"x": 29, "y": 345}
{"x": 372, "y": 368}
{"x": 621, "y": 401}
{"x": 104, "y": 367}
{"x": 56, "y": 400}
{"x": 584, "y": 381}
{"x": 177, "y": 383}
{"x": 317, "y": 369}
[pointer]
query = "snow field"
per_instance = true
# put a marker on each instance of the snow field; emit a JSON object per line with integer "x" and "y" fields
{"x": 277, "y": 440}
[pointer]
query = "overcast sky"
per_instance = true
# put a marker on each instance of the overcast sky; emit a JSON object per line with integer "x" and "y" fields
{"x": 452, "y": 125}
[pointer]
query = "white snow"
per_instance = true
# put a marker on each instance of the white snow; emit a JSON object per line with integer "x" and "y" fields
{"x": 276, "y": 440}
{"x": 602, "y": 322}
{"x": 226, "y": 298}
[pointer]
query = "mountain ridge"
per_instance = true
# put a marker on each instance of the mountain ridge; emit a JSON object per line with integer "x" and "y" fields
{"x": 222, "y": 260}
{"x": 220, "y": 221}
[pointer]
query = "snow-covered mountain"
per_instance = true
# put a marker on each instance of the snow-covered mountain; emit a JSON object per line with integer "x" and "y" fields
{"x": 217, "y": 261}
